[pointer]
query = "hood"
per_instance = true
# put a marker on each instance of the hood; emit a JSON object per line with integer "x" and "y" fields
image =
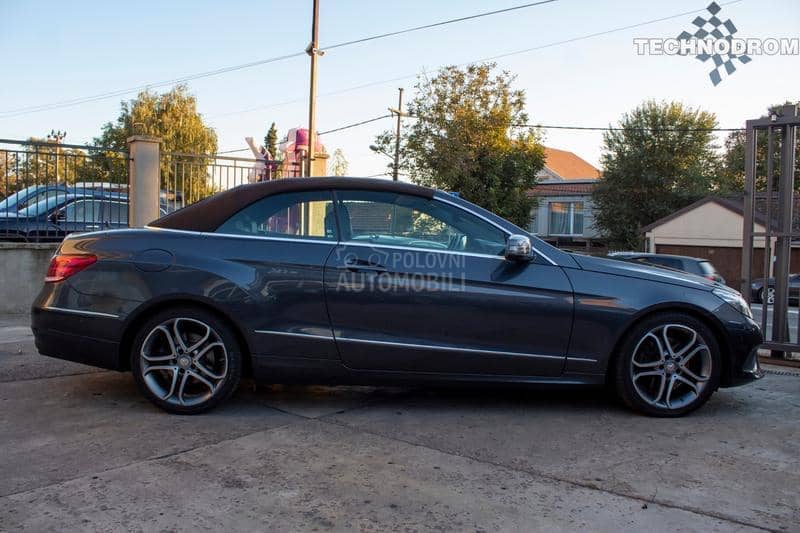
{"x": 636, "y": 270}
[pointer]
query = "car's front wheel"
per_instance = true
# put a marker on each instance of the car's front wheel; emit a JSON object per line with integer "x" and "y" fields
{"x": 186, "y": 360}
{"x": 668, "y": 365}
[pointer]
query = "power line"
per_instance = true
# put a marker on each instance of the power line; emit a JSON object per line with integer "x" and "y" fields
{"x": 224, "y": 70}
{"x": 611, "y": 128}
{"x": 348, "y": 126}
{"x": 539, "y": 126}
{"x": 549, "y": 127}
{"x": 103, "y": 96}
{"x": 491, "y": 58}
{"x": 436, "y": 24}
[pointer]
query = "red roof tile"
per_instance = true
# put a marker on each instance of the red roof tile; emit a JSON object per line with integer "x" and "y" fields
{"x": 568, "y": 165}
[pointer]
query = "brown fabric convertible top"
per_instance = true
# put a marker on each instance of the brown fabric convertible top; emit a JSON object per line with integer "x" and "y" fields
{"x": 208, "y": 214}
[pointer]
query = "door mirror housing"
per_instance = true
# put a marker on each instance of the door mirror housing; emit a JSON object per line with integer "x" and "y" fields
{"x": 518, "y": 248}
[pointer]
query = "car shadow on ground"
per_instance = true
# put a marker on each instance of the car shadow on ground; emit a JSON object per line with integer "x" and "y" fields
{"x": 113, "y": 390}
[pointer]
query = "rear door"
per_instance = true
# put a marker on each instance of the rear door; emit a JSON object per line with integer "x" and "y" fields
{"x": 419, "y": 285}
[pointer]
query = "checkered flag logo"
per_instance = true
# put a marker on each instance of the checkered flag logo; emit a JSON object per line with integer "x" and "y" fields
{"x": 716, "y": 28}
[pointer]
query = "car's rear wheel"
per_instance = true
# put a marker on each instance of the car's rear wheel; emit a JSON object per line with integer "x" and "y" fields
{"x": 669, "y": 365}
{"x": 186, "y": 360}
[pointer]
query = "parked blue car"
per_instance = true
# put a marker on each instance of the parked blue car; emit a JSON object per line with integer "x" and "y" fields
{"x": 31, "y": 195}
{"x": 57, "y": 215}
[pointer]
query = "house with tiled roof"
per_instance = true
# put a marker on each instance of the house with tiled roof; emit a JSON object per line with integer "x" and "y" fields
{"x": 711, "y": 229}
{"x": 564, "y": 188}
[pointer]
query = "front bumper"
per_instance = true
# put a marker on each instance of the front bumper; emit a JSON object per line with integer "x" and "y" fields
{"x": 744, "y": 338}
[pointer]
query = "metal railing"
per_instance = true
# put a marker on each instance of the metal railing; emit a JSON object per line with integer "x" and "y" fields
{"x": 188, "y": 178}
{"x": 51, "y": 189}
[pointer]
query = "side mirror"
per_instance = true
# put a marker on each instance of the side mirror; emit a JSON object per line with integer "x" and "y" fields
{"x": 57, "y": 216}
{"x": 518, "y": 248}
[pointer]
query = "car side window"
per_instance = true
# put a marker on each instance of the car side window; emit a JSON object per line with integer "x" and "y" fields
{"x": 116, "y": 213}
{"x": 662, "y": 261}
{"x": 82, "y": 211}
{"x": 393, "y": 219}
{"x": 300, "y": 215}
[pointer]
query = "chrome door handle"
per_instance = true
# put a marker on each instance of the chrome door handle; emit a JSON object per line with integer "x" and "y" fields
{"x": 363, "y": 266}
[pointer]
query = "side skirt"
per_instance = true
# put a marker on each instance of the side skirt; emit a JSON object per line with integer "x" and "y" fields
{"x": 330, "y": 371}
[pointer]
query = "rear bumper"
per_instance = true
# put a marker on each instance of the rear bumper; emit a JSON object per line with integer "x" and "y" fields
{"x": 76, "y": 336}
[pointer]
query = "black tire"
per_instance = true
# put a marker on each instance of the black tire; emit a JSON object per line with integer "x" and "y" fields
{"x": 646, "y": 393}
{"x": 760, "y": 296}
{"x": 220, "y": 356}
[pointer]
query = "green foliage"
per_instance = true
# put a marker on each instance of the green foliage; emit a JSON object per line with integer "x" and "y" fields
{"x": 733, "y": 159}
{"x": 661, "y": 159}
{"x": 172, "y": 117}
{"x": 271, "y": 141}
{"x": 467, "y": 138}
{"x": 339, "y": 164}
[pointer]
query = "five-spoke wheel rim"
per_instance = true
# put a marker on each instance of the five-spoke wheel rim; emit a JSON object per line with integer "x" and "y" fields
{"x": 671, "y": 366}
{"x": 184, "y": 361}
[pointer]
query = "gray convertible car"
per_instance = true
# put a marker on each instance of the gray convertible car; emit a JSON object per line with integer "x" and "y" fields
{"x": 348, "y": 280}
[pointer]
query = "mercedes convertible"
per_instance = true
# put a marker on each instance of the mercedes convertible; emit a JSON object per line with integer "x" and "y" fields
{"x": 359, "y": 281}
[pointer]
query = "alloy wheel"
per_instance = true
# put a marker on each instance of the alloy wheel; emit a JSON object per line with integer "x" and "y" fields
{"x": 671, "y": 366}
{"x": 770, "y": 299}
{"x": 183, "y": 361}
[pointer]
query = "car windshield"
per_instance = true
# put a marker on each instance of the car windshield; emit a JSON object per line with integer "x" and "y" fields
{"x": 39, "y": 208}
{"x": 10, "y": 203}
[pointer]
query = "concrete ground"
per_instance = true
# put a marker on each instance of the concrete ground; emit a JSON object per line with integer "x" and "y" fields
{"x": 81, "y": 450}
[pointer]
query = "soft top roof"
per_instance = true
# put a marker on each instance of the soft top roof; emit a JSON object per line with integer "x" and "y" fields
{"x": 208, "y": 214}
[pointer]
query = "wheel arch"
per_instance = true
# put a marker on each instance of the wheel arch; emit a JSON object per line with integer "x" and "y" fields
{"x": 695, "y": 312}
{"x": 143, "y": 312}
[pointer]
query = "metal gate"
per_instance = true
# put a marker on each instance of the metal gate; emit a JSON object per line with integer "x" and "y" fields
{"x": 770, "y": 204}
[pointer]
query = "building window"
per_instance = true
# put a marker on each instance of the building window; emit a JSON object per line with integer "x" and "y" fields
{"x": 566, "y": 218}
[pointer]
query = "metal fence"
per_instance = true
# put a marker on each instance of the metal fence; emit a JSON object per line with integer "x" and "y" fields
{"x": 772, "y": 225}
{"x": 51, "y": 189}
{"x": 187, "y": 178}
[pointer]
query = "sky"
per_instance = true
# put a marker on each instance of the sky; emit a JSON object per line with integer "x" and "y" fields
{"x": 55, "y": 51}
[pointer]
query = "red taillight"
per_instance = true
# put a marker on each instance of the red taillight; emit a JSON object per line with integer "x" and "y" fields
{"x": 64, "y": 266}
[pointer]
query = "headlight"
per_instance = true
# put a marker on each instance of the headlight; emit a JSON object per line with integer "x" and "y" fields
{"x": 735, "y": 300}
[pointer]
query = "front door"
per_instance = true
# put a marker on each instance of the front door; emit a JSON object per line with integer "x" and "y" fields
{"x": 419, "y": 285}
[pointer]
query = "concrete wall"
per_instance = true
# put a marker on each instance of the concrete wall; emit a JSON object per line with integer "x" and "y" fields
{"x": 22, "y": 274}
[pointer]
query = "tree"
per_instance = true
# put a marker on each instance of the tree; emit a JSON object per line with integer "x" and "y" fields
{"x": 339, "y": 164}
{"x": 173, "y": 117}
{"x": 271, "y": 141}
{"x": 469, "y": 136}
{"x": 660, "y": 158}
{"x": 46, "y": 162}
{"x": 733, "y": 159}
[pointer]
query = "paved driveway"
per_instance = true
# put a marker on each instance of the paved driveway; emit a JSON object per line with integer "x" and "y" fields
{"x": 81, "y": 450}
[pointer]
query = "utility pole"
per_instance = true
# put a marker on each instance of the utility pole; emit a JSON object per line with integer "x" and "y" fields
{"x": 400, "y": 114}
{"x": 313, "y": 51}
